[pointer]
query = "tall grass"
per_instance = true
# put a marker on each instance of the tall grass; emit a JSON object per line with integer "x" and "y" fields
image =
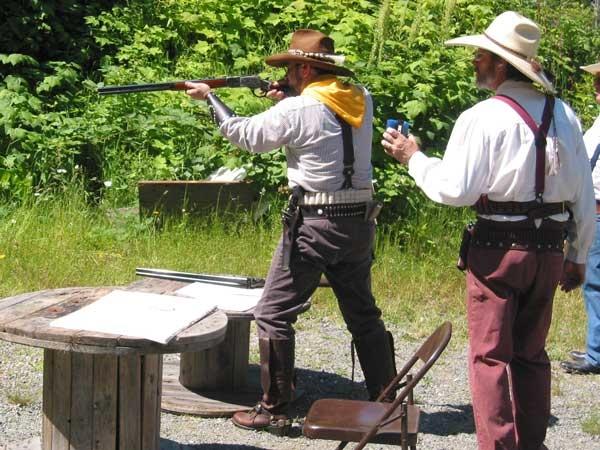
{"x": 64, "y": 242}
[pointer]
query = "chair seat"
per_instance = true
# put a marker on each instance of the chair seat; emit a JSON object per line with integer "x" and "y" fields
{"x": 350, "y": 420}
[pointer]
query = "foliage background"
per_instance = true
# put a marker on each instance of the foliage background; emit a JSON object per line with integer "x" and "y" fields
{"x": 55, "y": 129}
{"x": 58, "y": 138}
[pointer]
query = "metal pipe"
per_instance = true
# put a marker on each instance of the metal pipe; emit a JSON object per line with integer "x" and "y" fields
{"x": 227, "y": 280}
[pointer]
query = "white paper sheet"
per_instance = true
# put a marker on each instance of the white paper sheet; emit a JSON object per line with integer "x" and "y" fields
{"x": 227, "y": 298}
{"x": 138, "y": 314}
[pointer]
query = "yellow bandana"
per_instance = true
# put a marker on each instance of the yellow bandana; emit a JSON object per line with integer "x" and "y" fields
{"x": 345, "y": 99}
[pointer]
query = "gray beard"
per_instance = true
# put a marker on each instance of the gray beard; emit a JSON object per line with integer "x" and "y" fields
{"x": 483, "y": 82}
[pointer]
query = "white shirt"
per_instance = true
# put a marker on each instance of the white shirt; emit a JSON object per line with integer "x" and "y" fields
{"x": 313, "y": 142}
{"x": 491, "y": 151}
{"x": 592, "y": 140}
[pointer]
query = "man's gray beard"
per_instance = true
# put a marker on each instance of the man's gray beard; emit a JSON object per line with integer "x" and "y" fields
{"x": 483, "y": 82}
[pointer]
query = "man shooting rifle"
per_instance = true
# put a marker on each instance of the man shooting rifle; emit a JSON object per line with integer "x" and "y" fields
{"x": 329, "y": 226}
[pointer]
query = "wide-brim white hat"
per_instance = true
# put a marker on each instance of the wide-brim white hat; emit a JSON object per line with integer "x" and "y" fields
{"x": 514, "y": 38}
{"x": 592, "y": 68}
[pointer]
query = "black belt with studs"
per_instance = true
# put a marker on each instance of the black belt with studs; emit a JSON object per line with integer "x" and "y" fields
{"x": 335, "y": 210}
{"x": 510, "y": 235}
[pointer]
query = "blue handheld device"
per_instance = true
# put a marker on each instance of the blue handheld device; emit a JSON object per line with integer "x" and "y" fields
{"x": 395, "y": 124}
{"x": 405, "y": 128}
{"x": 392, "y": 123}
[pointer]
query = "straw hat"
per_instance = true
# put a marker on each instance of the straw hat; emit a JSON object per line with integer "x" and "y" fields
{"x": 592, "y": 68}
{"x": 514, "y": 38}
{"x": 314, "y": 48}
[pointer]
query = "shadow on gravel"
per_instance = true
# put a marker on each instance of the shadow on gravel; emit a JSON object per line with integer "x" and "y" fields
{"x": 455, "y": 419}
{"x": 167, "y": 444}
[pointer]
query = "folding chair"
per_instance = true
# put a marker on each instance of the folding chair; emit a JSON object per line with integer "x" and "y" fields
{"x": 395, "y": 423}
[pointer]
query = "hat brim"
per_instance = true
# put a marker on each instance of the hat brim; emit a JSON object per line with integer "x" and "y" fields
{"x": 282, "y": 59}
{"x": 592, "y": 68}
{"x": 520, "y": 63}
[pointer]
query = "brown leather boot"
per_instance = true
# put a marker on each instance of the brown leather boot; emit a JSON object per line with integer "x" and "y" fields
{"x": 277, "y": 381}
{"x": 375, "y": 352}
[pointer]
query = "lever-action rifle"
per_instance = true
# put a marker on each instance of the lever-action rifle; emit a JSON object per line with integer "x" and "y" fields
{"x": 253, "y": 82}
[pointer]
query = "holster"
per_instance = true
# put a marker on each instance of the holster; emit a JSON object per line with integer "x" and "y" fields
{"x": 289, "y": 220}
{"x": 373, "y": 208}
{"x": 463, "y": 251}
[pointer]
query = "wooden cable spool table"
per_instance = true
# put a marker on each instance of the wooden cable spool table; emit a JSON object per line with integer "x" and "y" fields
{"x": 209, "y": 382}
{"x": 100, "y": 391}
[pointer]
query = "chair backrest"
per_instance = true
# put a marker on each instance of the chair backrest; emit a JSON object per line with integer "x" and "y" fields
{"x": 436, "y": 343}
{"x": 429, "y": 352}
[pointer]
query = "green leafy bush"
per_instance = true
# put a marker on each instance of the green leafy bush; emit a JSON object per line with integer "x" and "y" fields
{"x": 55, "y": 129}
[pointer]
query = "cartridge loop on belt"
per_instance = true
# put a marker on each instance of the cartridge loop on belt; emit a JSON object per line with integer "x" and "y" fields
{"x": 337, "y": 210}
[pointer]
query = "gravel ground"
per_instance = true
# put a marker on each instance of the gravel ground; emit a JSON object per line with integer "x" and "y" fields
{"x": 323, "y": 361}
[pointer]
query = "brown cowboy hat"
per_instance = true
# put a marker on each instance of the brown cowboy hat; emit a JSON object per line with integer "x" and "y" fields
{"x": 314, "y": 48}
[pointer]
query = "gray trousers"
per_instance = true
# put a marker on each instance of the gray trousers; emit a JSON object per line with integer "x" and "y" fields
{"x": 342, "y": 249}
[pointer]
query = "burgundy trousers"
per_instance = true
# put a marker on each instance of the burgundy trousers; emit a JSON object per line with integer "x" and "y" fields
{"x": 509, "y": 308}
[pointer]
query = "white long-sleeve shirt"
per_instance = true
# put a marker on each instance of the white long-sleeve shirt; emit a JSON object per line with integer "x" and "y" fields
{"x": 313, "y": 142}
{"x": 491, "y": 151}
{"x": 592, "y": 140}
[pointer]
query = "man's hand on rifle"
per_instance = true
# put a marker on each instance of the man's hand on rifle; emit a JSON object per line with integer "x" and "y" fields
{"x": 198, "y": 91}
{"x": 276, "y": 91}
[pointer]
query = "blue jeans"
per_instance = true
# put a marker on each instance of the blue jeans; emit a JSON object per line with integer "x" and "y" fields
{"x": 591, "y": 294}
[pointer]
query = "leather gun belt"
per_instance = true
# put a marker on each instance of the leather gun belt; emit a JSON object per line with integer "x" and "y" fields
{"x": 522, "y": 235}
{"x": 532, "y": 209}
{"x": 330, "y": 211}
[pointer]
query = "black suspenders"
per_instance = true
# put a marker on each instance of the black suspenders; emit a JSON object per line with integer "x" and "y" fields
{"x": 348, "y": 152}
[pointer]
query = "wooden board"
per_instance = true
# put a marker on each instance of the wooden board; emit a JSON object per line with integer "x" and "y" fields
{"x": 105, "y": 402}
{"x": 130, "y": 402}
{"x": 47, "y": 399}
{"x": 82, "y": 409}
{"x": 151, "y": 394}
{"x": 101, "y": 402}
{"x": 155, "y": 285}
{"x": 178, "y": 399}
{"x": 195, "y": 197}
{"x": 26, "y": 320}
{"x": 160, "y": 286}
{"x": 35, "y": 444}
{"x": 223, "y": 367}
{"x": 33, "y": 304}
{"x": 61, "y": 391}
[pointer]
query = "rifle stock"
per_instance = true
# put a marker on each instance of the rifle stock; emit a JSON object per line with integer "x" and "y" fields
{"x": 252, "y": 82}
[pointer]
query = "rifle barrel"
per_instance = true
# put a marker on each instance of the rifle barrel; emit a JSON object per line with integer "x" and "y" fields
{"x": 249, "y": 81}
{"x": 228, "y": 280}
{"x": 147, "y": 87}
